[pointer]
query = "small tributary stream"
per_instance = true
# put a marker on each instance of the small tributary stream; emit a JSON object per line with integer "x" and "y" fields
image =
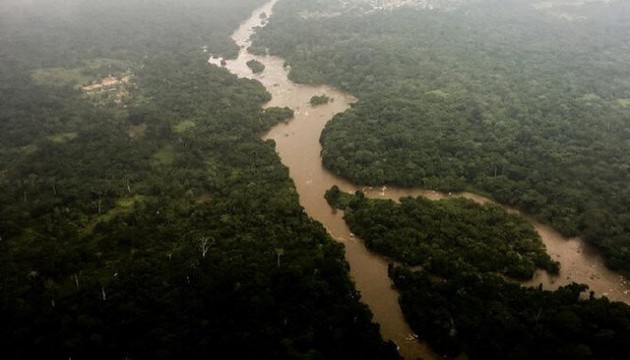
{"x": 297, "y": 143}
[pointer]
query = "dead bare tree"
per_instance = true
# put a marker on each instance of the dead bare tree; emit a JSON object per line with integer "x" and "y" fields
{"x": 203, "y": 245}
{"x": 279, "y": 253}
{"x": 76, "y": 281}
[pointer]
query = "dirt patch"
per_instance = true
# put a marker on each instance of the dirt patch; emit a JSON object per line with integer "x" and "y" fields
{"x": 107, "y": 90}
{"x": 105, "y": 84}
{"x": 137, "y": 132}
{"x": 204, "y": 199}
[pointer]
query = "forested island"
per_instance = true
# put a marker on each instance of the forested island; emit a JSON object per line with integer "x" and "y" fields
{"x": 256, "y": 66}
{"x": 319, "y": 100}
{"x": 457, "y": 300}
{"x": 141, "y": 216}
{"x": 520, "y": 102}
{"x": 447, "y": 236}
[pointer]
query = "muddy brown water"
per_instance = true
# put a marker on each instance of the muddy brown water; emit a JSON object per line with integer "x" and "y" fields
{"x": 297, "y": 143}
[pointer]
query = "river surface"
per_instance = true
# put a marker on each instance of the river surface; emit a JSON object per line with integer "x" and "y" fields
{"x": 297, "y": 143}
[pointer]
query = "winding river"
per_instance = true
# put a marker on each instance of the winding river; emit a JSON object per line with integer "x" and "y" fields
{"x": 297, "y": 143}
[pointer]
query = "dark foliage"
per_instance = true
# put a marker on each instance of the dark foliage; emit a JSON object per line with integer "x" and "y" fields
{"x": 488, "y": 318}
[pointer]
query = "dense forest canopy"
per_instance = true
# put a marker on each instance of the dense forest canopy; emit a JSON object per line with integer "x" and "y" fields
{"x": 140, "y": 214}
{"x": 489, "y": 318}
{"x": 457, "y": 296}
{"x": 34, "y": 30}
{"x": 526, "y": 102}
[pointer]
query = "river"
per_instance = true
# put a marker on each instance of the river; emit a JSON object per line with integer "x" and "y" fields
{"x": 297, "y": 144}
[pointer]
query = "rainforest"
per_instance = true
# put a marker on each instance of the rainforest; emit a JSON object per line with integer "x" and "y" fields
{"x": 314, "y": 179}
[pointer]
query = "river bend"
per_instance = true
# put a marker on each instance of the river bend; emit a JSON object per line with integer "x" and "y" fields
{"x": 297, "y": 144}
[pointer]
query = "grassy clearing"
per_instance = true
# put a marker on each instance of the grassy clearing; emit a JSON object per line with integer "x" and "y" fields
{"x": 62, "y": 138}
{"x": 164, "y": 157}
{"x": 127, "y": 203}
{"x": 623, "y": 102}
{"x": 60, "y": 76}
{"x": 438, "y": 93}
{"x": 184, "y": 126}
{"x": 591, "y": 98}
{"x": 123, "y": 206}
{"x": 89, "y": 70}
{"x": 104, "y": 63}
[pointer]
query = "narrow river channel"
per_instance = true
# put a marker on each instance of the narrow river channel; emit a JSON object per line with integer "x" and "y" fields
{"x": 297, "y": 143}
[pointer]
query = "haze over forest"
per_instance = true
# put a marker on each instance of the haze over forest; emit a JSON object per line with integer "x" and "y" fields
{"x": 162, "y": 193}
